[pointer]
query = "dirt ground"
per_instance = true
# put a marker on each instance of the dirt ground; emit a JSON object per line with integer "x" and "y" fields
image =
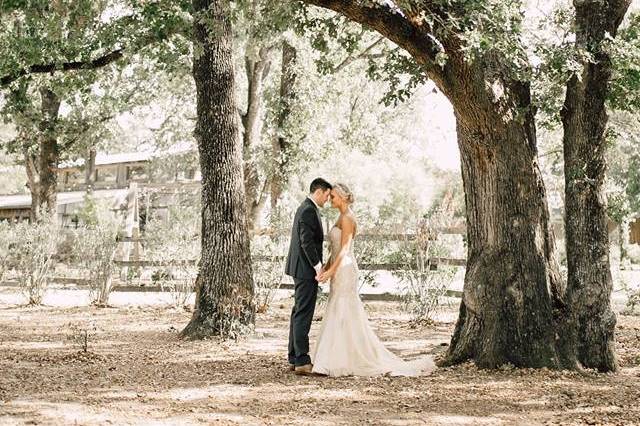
{"x": 136, "y": 371}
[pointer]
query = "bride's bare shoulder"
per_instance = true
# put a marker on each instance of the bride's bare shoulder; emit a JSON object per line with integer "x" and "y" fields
{"x": 351, "y": 220}
{"x": 348, "y": 221}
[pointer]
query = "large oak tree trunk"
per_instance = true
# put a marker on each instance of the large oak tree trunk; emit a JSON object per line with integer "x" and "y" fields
{"x": 225, "y": 305}
{"x": 512, "y": 283}
{"x": 591, "y": 321}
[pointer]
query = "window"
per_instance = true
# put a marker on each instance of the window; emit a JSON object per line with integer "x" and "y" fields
{"x": 136, "y": 173}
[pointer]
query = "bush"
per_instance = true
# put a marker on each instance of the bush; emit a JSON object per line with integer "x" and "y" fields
{"x": 7, "y": 236}
{"x": 267, "y": 275}
{"x": 32, "y": 255}
{"x": 95, "y": 248}
{"x": 631, "y": 291}
{"x": 422, "y": 291}
{"x": 633, "y": 253}
{"x": 374, "y": 251}
{"x": 424, "y": 284}
{"x": 176, "y": 240}
{"x": 80, "y": 335}
{"x": 269, "y": 272}
{"x": 633, "y": 301}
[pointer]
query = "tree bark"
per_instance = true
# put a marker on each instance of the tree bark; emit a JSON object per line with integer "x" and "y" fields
{"x": 44, "y": 188}
{"x": 90, "y": 168}
{"x": 591, "y": 321}
{"x": 225, "y": 305}
{"x": 281, "y": 144}
{"x": 512, "y": 285}
{"x": 512, "y": 289}
{"x": 33, "y": 179}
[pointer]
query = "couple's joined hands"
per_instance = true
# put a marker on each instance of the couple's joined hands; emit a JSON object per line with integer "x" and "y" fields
{"x": 324, "y": 274}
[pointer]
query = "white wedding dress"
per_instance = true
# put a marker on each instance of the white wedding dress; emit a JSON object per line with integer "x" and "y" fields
{"x": 346, "y": 345}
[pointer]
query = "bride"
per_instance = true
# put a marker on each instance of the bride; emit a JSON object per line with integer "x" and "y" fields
{"x": 346, "y": 344}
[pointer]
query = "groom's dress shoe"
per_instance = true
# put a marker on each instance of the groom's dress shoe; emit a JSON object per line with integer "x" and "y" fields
{"x": 304, "y": 370}
{"x": 292, "y": 367}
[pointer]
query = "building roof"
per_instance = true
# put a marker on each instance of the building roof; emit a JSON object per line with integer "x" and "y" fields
{"x": 106, "y": 159}
{"x": 103, "y": 159}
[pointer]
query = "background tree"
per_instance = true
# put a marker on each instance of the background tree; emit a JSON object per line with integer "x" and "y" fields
{"x": 587, "y": 60}
{"x": 584, "y": 117}
{"x": 282, "y": 141}
{"x": 262, "y": 29}
{"x": 76, "y": 38}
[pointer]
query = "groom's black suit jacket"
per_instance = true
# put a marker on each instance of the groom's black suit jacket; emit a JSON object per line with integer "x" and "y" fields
{"x": 305, "y": 249}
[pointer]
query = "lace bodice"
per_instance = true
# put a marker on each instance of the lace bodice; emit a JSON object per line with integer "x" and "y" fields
{"x": 335, "y": 235}
{"x": 345, "y": 280}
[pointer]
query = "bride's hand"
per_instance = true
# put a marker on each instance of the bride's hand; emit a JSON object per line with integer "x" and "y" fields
{"x": 325, "y": 275}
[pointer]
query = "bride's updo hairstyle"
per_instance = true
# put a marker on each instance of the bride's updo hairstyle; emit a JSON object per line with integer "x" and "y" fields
{"x": 344, "y": 192}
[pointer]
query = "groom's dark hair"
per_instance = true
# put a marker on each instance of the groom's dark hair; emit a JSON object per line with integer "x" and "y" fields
{"x": 319, "y": 183}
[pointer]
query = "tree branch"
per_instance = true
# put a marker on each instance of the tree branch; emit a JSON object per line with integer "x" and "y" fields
{"x": 392, "y": 24}
{"x": 183, "y": 27}
{"x": 86, "y": 126}
{"x": 67, "y": 66}
{"x": 364, "y": 54}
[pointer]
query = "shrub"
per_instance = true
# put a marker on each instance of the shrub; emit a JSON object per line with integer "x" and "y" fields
{"x": 269, "y": 257}
{"x": 631, "y": 291}
{"x": 176, "y": 240}
{"x": 633, "y": 300}
{"x": 267, "y": 274}
{"x": 7, "y": 237}
{"x": 424, "y": 284}
{"x": 33, "y": 254}
{"x": 422, "y": 291}
{"x": 80, "y": 334}
{"x": 95, "y": 248}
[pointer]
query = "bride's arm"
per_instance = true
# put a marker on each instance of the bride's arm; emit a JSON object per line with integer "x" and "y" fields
{"x": 348, "y": 229}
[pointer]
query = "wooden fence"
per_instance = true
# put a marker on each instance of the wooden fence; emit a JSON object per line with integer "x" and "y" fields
{"x": 432, "y": 262}
{"x": 132, "y": 246}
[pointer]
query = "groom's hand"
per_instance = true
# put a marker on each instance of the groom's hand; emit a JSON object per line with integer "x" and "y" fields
{"x": 319, "y": 270}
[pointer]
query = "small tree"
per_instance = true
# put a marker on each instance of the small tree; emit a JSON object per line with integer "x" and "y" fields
{"x": 33, "y": 256}
{"x": 176, "y": 240}
{"x": 96, "y": 246}
{"x": 80, "y": 334}
{"x": 7, "y": 236}
{"x": 427, "y": 283}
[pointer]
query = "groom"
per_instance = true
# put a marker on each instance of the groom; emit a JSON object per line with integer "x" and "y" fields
{"x": 304, "y": 264}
